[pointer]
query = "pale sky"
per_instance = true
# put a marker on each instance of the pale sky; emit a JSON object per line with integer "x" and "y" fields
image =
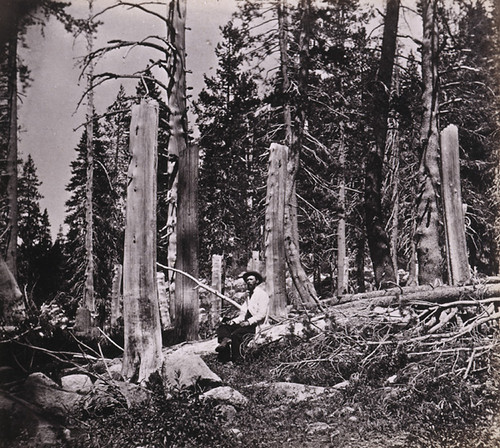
{"x": 47, "y": 114}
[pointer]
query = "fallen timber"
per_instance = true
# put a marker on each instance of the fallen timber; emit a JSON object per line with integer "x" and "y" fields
{"x": 415, "y": 295}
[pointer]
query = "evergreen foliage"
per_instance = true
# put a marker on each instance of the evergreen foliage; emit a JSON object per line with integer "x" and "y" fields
{"x": 35, "y": 241}
{"x": 105, "y": 233}
{"x": 469, "y": 102}
{"x": 230, "y": 174}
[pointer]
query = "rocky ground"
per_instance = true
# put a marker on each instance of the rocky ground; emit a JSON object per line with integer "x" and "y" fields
{"x": 258, "y": 403}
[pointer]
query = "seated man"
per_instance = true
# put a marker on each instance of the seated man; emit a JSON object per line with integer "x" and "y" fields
{"x": 253, "y": 312}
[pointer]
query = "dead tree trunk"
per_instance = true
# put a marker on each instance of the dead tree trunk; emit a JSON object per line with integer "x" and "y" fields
{"x": 342, "y": 263}
{"x": 85, "y": 312}
{"x": 392, "y": 188}
{"x": 186, "y": 294}
{"x": 425, "y": 294}
{"x": 12, "y": 307}
{"x": 458, "y": 265}
{"x": 164, "y": 303}
{"x": 12, "y": 224}
{"x": 301, "y": 282}
{"x": 431, "y": 262}
{"x": 142, "y": 328}
{"x": 116, "y": 295}
{"x": 274, "y": 230}
{"x": 496, "y": 18}
{"x": 378, "y": 241}
{"x": 254, "y": 263}
{"x": 290, "y": 136}
{"x": 177, "y": 142}
{"x": 215, "y": 302}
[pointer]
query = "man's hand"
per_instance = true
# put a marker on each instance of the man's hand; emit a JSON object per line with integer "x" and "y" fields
{"x": 245, "y": 323}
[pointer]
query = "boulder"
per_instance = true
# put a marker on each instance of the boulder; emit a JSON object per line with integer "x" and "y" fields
{"x": 101, "y": 366}
{"x": 295, "y": 392}
{"x": 77, "y": 383}
{"x": 196, "y": 348}
{"x": 23, "y": 424}
{"x": 226, "y": 395}
{"x": 226, "y": 412}
{"x": 115, "y": 371}
{"x": 134, "y": 394}
{"x": 41, "y": 391}
{"x": 106, "y": 395}
{"x": 181, "y": 369}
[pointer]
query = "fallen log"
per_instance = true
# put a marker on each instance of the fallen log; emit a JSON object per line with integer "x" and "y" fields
{"x": 405, "y": 291}
{"x": 424, "y": 294}
{"x": 391, "y": 292}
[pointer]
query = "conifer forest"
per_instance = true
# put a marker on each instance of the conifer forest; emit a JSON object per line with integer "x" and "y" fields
{"x": 347, "y": 150}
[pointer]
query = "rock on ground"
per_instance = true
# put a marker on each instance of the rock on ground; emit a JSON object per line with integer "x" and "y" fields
{"x": 41, "y": 391}
{"x": 227, "y": 395}
{"x": 106, "y": 395}
{"x": 22, "y": 424}
{"x": 295, "y": 392}
{"x": 181, "y": 369}
{"x": 77, "y": 383}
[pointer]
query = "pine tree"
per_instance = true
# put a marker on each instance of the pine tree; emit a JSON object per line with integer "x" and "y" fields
{"x": 115, "y": 135}
{"x": 15, "y": 17}
{"x": 34, "y": 231}
{"x": 468, "y": 101}
{"x": 229, "y": 203}
{"x": 105, "y": 239}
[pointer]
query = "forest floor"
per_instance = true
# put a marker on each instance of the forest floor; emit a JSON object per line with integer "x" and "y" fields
{"x": 390, "y": 399}
{"x": 362, "y": 416}
{"x": 382, "y": 382}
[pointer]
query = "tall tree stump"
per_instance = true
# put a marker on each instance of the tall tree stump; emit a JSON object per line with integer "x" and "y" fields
{"x": 274, "y": 230}
{"x": 141, "y": 313}
{"x": 187, "y": 302}
{"x": 215, "y": 302}
{"x": 116, "y": 295}
{"x": 164, "y": 302}
{"x": 458, "y": 264}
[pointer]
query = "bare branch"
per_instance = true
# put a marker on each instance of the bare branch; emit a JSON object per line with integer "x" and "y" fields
{"x": 138, "y": 6}
{"x": 119, "y": 44}
{"x": 103, "y": 77}
{"x": 201, "y": 285}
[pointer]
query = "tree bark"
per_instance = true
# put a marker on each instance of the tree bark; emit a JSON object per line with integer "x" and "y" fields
{"x": 177, "y": 143}
{"x": 458, "y": 263}
{"x": 116, "y": 295}
{"x": 290, "y": 137}
{"x": 165, "y": 319}
{"x": 87, "y": 307}
{"x": 430, "y": 258}
{"x": 425, "y": 293}
{"x": 303, "y": 285}
{"x": 378, "y": 241}
{"x": 393, "y": 190}
{"x": 342, "y": 262}
{"x": 186, "y": 294}
{"x": 11, "y": 256}
{"x": 274, "y": 231}
{"x": 496, "y": 18}
{"x": 216, "y": 302}
{"x": 142, "y": 328}
{"x": 254, "y": 263}
{"x": 12, "y": 307}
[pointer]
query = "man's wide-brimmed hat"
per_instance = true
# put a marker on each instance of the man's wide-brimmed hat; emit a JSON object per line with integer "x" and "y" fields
{"x": 257, "y": 275}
